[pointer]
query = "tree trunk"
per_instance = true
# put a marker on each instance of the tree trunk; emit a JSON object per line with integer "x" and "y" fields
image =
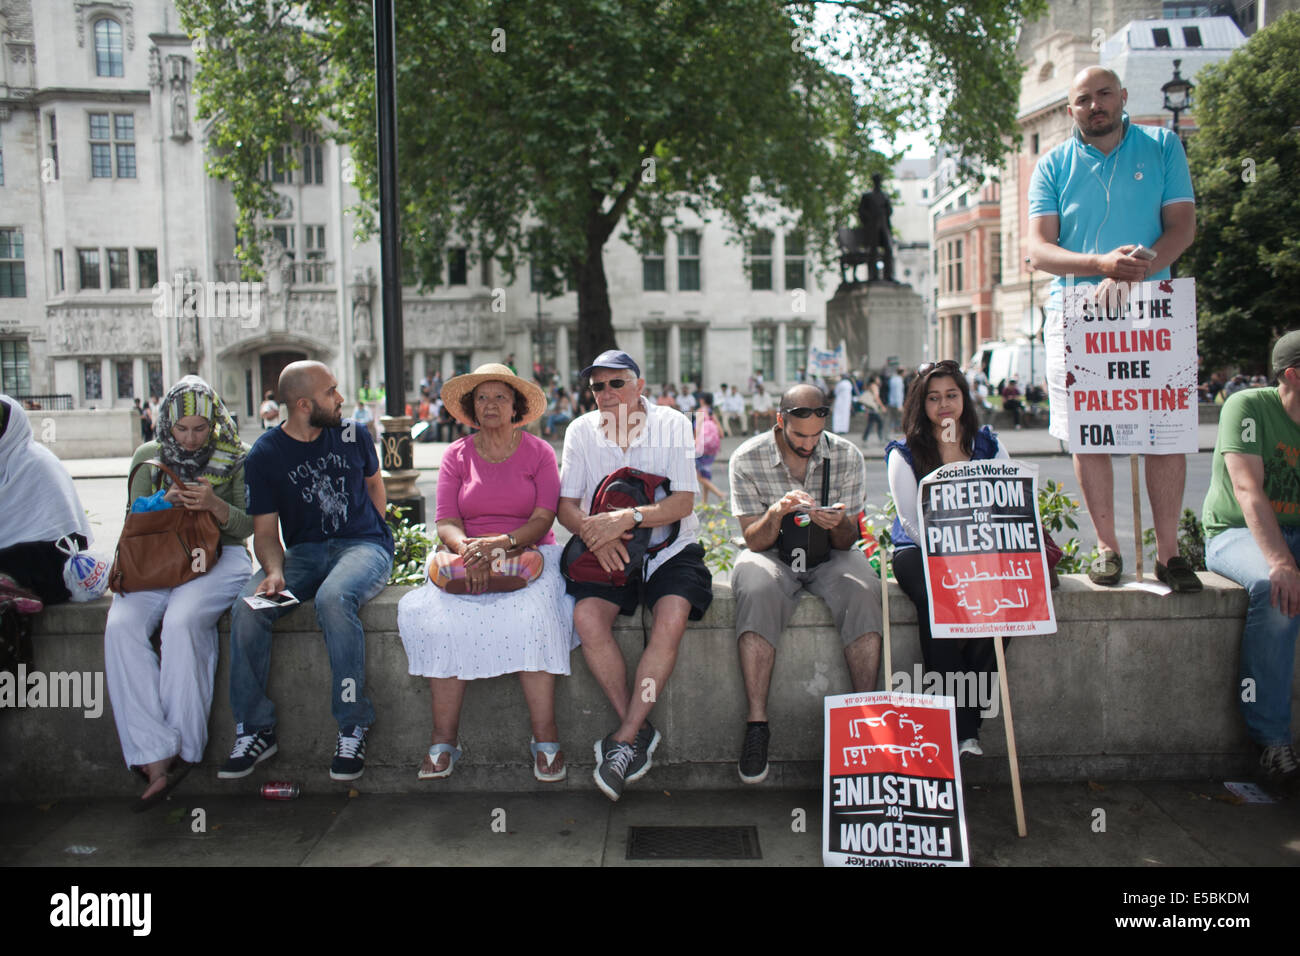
{"x": 595, "y": 318}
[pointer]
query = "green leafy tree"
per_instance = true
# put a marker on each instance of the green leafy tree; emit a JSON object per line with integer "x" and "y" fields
{"x": 531, "y": 130}
{"x": 1245, "y": 162}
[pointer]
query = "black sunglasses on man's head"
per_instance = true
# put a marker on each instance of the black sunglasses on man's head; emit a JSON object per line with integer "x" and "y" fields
{"x": 821, "y": 411}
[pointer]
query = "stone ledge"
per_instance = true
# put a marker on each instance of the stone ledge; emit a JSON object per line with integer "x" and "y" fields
{"x": 1134, "y": 685}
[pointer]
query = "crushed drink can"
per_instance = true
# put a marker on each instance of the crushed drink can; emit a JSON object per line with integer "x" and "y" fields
{"x": 280, "y": 790}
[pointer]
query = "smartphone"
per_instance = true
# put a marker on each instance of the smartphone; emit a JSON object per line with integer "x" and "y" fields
{"x": 1142, "y": 252}
{"x": 261, "y": 602}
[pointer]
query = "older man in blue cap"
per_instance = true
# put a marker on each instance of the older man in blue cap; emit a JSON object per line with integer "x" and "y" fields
{"x": 625, "y": 430}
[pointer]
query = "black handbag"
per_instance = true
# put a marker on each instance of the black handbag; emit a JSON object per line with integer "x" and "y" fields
{"x": 812, "y": 541}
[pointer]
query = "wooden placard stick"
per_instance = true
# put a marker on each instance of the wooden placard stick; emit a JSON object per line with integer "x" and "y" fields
{"x": 1013, "y": 761}
{"x": 886, "y": 657}
{"x": 1137, "y": 515}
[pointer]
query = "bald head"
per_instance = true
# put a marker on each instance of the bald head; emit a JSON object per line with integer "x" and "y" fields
{"x": 802, "y": 396}
{"x": 1095, "y": 74}
{"x": 1096, "y": 104}
{"x": 301, "y": 380}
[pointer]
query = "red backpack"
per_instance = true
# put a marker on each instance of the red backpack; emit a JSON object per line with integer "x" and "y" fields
{"x": 625, "y": 488}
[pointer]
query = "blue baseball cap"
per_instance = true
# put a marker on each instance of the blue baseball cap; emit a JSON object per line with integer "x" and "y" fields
{"x": 612, "y": 359}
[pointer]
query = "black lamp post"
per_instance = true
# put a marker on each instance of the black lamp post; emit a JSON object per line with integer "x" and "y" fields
{"x": 1178, "y": 96}
{"x": 398, "y": 460}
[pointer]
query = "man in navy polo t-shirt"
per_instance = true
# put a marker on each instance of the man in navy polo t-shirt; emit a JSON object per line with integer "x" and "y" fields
{"x": 316, "y": 480}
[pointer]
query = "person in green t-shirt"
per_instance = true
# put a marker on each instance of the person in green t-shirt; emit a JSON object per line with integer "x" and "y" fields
{"x": 1252, "y": 522}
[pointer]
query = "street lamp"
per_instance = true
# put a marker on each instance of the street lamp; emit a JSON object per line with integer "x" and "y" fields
{"x": 1178, "y": 96}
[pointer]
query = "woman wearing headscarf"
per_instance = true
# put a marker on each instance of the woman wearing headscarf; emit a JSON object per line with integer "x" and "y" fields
{"x": 161, "y": 707}
{"x": 41, "y": 510}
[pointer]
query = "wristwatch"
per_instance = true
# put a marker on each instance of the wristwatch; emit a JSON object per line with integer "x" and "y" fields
{"x": 637, "y": 517}
{"x": 511, "y": 539}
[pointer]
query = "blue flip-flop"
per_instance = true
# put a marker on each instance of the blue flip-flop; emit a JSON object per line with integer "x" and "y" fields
{"x": 435, "y": 752}
{"x": 551, "y": 750}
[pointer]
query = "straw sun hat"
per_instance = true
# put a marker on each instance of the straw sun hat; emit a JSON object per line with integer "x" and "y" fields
{"x": 457, "y": 388}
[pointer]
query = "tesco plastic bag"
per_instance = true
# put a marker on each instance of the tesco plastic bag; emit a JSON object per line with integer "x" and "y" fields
{"x": 84, "y": 575}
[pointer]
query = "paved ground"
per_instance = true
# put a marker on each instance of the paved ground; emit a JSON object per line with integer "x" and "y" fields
{"x": 1125, "y": 824}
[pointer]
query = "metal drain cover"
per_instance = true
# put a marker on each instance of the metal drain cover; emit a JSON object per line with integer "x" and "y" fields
{"x": 693, "y": 843}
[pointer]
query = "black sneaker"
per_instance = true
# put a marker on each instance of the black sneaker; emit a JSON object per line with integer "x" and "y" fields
{"x": 350, "y": 754}
{"x": 611, "y": 775}
{"x": 248, "y": 752}
{"x": 1278, "y": 763}
{"x": 753, "y": 753}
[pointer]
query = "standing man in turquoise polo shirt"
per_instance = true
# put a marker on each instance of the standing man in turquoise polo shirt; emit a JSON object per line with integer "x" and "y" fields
{"x": 1093, "y": 200}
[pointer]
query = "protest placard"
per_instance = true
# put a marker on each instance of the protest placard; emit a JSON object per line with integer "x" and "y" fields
{"x": 826, "y": 362}
{"x": 1131, "y": 370}
{"x": 985, "y": 570}
{"x": 892, "y": 783}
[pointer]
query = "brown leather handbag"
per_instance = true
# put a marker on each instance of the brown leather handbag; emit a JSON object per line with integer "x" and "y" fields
{"x": 162, "y": 549}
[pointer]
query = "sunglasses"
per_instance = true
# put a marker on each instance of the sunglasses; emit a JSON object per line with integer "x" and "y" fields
{"x": 614, "y": 383}
{"x": 947, "y": 364}
{"x": 821, "y": 411}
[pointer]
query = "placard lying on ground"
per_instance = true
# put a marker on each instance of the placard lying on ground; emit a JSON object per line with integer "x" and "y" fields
{"x": 1130, "y": 377}
{"x": 892, "y": 787}
{"x": 982, "y": 541}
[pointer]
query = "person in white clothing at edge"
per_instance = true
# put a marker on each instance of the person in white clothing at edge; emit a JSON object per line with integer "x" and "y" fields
{"x": 625, "y": 430}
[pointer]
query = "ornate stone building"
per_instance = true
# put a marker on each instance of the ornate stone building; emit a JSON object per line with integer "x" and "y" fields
{"x": 117, "y": 251}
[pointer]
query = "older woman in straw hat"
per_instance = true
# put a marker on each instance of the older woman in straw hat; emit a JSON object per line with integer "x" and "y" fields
{"x": 494, "y": 602}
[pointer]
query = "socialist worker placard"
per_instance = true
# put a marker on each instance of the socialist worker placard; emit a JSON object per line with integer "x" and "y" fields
{"x": 1130, "y": 370}
{"x": 982, "y": 543}
{"x": 892, "y": 782}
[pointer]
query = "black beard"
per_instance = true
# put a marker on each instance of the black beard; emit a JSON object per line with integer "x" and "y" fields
{"x": 803, "y": 454}
{"x": 323, "y": 418}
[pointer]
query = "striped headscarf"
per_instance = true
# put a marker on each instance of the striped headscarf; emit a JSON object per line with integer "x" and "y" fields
{"x": 221, "y": 457}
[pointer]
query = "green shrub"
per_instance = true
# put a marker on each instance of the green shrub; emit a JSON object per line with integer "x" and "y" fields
{"x": 413, "y": 546}
{"x": 715, "y": 537}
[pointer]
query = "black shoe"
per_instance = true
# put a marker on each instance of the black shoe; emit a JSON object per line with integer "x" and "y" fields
{"x": 753, "y": 753}
{"x": 611, "y": 775}
{"x": 1279, "y": 764}
{"x": 1178, "y": 574}
{"x": 349, "y": 755}
{"x": 248, "y": 752}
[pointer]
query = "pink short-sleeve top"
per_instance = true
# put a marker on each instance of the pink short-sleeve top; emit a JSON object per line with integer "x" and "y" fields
{"x": 497, "y": 497}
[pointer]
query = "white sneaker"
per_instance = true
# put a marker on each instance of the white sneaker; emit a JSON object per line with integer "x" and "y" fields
{"x": 971, "y": 745}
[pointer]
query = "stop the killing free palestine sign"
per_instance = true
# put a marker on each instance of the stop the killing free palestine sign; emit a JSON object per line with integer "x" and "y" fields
{"x": 1131, "y": 374}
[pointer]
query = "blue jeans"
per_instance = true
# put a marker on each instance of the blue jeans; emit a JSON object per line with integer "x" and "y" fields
{"x": 1268, "y": 643}
{"x": 341, "y": 574}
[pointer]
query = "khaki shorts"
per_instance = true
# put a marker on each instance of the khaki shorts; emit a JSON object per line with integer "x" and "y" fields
{"x": 767, "y": 591}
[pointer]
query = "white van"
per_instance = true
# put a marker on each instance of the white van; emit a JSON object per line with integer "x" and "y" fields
{"x": 1007, "y": 360}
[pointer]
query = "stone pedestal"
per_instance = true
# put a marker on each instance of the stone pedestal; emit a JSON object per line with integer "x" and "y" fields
{"x": 877, "y": 321}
